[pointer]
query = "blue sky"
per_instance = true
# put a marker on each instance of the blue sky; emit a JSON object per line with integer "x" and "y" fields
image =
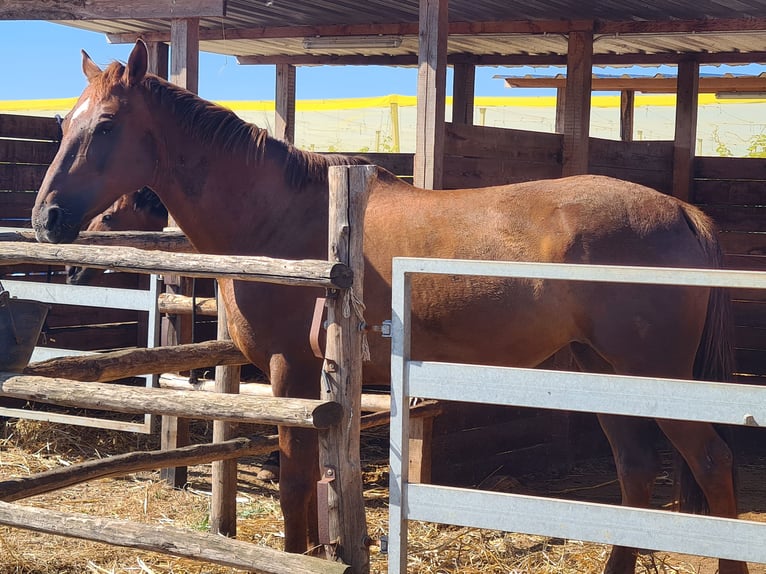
{"x": 42, "y": 60}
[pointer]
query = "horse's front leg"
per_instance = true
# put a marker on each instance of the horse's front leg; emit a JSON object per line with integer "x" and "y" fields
{"x": 298, "y": 474}
{"x": 299, "y": 455}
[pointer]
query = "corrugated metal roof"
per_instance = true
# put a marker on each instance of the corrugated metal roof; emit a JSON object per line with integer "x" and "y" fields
{"x": 240, "y": 32}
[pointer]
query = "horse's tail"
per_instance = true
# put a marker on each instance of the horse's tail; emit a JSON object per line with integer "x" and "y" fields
{"x": 715, "y": 355}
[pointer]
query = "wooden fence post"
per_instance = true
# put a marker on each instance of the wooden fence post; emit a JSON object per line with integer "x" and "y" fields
{"x": 340, "y": 490}
{"x": 223, "y": 509}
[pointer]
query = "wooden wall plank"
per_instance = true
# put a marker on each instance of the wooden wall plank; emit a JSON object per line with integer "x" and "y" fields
{"x": 110, "y": 9}
{"x": 743, "y": 243}
{"x": 730, "y": 191}
{"x": 20, "y": 177}
{"x": 484, "y": 141}
{"x": 400, "y": 164}
{"x": 737, "y": 218}
{"x": 27, "y": 151}
{"x": 29, "y": 127}
{"x": 649, "y": 163}
{"x": 730, "y": 168}
{"x": 465, "y": 172}
{"x": 16, "y": 203}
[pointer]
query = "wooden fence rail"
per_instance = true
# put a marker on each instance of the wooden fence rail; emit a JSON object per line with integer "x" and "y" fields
{"x": 122, "y": 464}
{"x": 307, "y": 273}
{"x": 167, "y": 540}
{"x": 170, "y": 240}
{"x": 113, "y": 365}
{"x": 306, "y": 413}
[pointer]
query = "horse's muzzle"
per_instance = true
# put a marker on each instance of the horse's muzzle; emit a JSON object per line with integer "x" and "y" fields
{"x": 50, "y": 225}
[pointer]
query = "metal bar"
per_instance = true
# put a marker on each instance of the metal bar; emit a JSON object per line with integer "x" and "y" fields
{"x": 725, "y": 403}
{"x": 584, "y": 272}
{"x": 86, "y": 296}
{"x": 634, "y": 527}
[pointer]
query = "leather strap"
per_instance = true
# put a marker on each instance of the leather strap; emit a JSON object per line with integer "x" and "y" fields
{"x": 316, "y": 327}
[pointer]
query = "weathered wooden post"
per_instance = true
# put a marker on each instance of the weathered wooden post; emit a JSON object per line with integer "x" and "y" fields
{"x": 340, "y": 497}
{"x": 223, "y": 508}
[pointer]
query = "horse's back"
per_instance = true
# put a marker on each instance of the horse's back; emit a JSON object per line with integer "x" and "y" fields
{"x": 582, "y": 219}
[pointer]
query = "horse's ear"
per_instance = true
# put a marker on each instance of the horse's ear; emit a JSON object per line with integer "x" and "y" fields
{"x": 89, "y": 67}
{"x": 138, "y": 63}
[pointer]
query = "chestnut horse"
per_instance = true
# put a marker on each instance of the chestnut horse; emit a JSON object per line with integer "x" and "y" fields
{"x": 141, "y": 210}
{"x": 234, "y": 190}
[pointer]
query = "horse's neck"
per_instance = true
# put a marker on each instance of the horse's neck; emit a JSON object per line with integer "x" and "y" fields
{"x": 225, "y": 204}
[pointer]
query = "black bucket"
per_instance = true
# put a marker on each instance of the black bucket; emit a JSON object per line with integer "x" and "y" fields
{"x": 21, "y": 321}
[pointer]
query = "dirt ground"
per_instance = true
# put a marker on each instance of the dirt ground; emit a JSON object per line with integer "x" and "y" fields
{"x": 29, "y": 447}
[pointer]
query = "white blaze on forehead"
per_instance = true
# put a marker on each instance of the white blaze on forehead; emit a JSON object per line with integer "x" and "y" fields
{"x": 83, "y": 107}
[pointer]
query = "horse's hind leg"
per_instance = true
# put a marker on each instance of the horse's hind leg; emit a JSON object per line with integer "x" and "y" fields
{"x": 711, "y": 462}
{"x": 635, "y": 457}
{"x": 637, "y": 465}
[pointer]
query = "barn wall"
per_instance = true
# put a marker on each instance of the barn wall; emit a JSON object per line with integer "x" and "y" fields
{"x": 479, "y": 156}
{"x": 732, "y": 191}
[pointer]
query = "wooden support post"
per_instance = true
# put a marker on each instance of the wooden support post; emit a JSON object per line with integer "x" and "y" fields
{"x": 686, "y": 128}
{"x": 340, "y": 490}
{"x": 421, "y": 439}
{"x": 577, "y": 105}
{"x": 184, "y": 71}
{"x": 284, "y": 124}
{"x": 463, "y": 89}
{"x": 561, "y": 98}
{"x": 223, "y": 510}
{"x": 627, "y": 113}
{"x": 432, "y": 85}
{"x": 159, "y": 64}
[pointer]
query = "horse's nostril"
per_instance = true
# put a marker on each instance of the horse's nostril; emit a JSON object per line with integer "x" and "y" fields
{"x": 52, "y": 218}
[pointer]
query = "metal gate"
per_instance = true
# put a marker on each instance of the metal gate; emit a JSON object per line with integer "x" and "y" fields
{"x": 624, "y": 395}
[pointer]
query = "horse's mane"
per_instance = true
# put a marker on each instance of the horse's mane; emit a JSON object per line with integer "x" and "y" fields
{"x": 145, "y": 198}
{"x": 222, "y": 128}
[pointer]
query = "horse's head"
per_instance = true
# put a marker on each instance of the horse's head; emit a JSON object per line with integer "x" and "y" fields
{"x": 108, "y": 149}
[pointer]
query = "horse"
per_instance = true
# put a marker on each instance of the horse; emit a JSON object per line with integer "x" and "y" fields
{"x": 130, "y": 128}
{"x": 140, "y": 210}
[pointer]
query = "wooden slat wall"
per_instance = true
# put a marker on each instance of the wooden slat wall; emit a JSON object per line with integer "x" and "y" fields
{"x": 649, "y": 163}
{"x": 27, "y": 146}
{"x": 733, "y": 192}
{"x": 478, "y": 156}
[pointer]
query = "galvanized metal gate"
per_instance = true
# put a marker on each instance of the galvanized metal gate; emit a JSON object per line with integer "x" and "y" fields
{"x": 686, "y": 400}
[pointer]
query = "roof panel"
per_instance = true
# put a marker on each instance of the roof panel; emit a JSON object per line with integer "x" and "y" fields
{"x": 252, "y": 16}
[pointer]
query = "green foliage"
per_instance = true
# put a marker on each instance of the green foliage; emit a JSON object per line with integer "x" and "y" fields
{"x": 721, "y": 148}
{"x": 757, "y": 146}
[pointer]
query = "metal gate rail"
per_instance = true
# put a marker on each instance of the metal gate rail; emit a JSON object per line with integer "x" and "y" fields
{"x": 638, "y": 396}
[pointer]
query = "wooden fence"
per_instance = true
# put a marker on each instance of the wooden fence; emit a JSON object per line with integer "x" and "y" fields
{"x": 335, "y": 413}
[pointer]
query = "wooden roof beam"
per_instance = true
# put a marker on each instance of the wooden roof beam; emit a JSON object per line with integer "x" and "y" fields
{"x": 111, "y": 10}
{"x": 505, "y": 59}
{"x": 664, "y": 85}
{"x": 455, "y": 28}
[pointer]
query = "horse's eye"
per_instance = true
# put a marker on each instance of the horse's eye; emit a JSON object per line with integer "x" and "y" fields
{"x": 105, "y": 218}
{"x": 105, "y": 128}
